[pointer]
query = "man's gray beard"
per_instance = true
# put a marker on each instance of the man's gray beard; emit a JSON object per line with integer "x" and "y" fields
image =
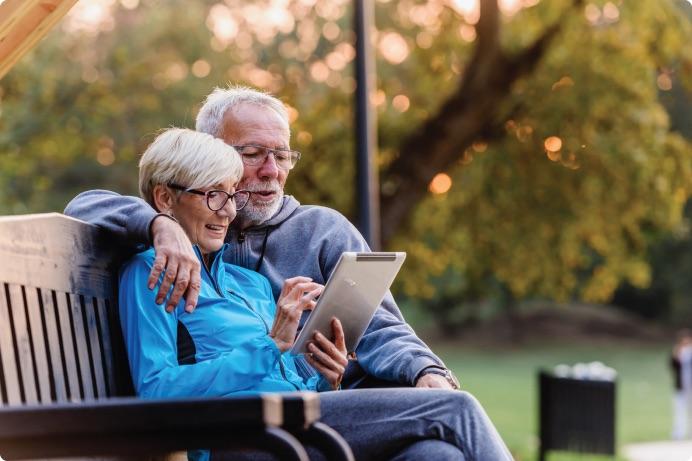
{"x": 253, "y": 215}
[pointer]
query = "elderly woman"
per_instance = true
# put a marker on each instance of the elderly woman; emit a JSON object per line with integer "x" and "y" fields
{"x": 236, "y": 339}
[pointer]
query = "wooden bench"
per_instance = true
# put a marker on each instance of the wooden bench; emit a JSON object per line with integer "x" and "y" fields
{"x": 65, "y": 386}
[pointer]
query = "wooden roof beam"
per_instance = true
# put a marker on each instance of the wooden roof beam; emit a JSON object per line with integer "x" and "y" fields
{"x": 23, "y": 23}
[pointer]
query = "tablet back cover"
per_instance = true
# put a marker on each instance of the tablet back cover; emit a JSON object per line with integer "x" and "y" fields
{"x": 352, "y": 294}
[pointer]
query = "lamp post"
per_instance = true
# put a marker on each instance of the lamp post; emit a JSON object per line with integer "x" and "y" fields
{"x": 368, "y": 190}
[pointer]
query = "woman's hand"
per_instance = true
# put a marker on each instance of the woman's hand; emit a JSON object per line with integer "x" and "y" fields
{"x": 297, "y": 295}
{"x": 329, "y": 358}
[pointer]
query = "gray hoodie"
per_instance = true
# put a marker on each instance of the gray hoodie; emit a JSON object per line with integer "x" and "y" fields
{"x": 299, "y": 240}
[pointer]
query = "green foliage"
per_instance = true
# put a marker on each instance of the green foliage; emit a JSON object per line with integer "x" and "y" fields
{"x": 570, "y": 223}
{"x": 78, "y": 111}
{"x": 669, "y": 296}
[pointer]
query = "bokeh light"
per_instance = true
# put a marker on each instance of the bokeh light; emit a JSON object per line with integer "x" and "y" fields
{"x": 378, "y": 98}
{"x": 664, "y": 82}
{"x": 469, "y": 9}
{"x": 552, "y": 144}
{"x": 304, "y": 137}
{"x": 479, "y": 146}
{"x": 129, "y": 4}
{"x": 510, "y": 7}
{"x": 467, "y": 33}
{"x": 201, "y": 68}
{"x": 424, "y": 40}
{"x": 611, "y": 12}
{"x": 564, "y": 82}
{"x": 393, "y": 47}
{"x": 440, "y": 184}
{"x": 592, "y": 13}
{"x": 553, "y": 156}
{"x": 401, "y": 102}
{"x": 105, "y": 156}
{"x": 331, "y": 31}
{"x": 319, "y": 71}
{"x": 335, "y": 60}
{"x": 90, "y": 17}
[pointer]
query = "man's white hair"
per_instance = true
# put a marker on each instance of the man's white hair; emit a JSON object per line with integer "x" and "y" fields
{"x": 187, "y": 158}
{"x": 221, "y": 100}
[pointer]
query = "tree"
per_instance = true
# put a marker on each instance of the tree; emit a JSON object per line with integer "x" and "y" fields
{"x": 563, "y": 203}
{"x": 527, "y": 156}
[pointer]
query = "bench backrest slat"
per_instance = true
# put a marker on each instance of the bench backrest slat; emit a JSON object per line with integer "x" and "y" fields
{"x": 102, "y": 325}
{"x": 12, "y": 389}
{"x": 93, "y": 327}
{"x": 40, "y": 353}
{"x": 24, "y": 342}
{"x": 60, "y": 339}
{"x": 68, "y": 346}
{"x": 57, "y": 367}
{"x": 76, "y": 309}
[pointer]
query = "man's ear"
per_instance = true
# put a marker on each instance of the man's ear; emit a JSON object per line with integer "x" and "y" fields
{"x": 163, "y": 198}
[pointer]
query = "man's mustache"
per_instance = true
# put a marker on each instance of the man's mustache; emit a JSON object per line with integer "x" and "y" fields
{"x": 270, "y": 186}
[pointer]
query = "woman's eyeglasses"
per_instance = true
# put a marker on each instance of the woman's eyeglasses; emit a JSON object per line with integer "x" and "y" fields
{"x": 216, "y": 199}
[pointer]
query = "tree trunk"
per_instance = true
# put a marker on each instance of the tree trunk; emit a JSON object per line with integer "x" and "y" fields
{"x": 470, "y": 114}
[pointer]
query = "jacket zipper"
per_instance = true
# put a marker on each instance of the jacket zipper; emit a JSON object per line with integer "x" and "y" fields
{"x": 266, "y": 327}
{"x": 249, "y": 306}
{"x": 213, "y": 280}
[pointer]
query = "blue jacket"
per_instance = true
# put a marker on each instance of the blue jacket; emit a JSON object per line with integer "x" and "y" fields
{"x": 222, "y": 349}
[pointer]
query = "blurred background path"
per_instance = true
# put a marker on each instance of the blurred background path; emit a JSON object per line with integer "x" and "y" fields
{"x": 659, "y": 451}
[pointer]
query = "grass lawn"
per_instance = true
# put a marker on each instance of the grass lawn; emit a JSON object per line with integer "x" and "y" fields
{"x": 505, "y": 382}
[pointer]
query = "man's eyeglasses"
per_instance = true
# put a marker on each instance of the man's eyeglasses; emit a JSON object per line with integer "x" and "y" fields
{"x": 216, "y": 199}
{"x": 254, "y": 155}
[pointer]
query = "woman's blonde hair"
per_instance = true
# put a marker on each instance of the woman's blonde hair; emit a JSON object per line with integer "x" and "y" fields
{"x": 187, "y": 158}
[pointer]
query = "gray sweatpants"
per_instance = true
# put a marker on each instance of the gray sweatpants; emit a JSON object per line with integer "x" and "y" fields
{"x": 410, "y": 424}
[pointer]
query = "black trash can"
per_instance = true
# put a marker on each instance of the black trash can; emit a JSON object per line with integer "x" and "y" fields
{"x": 576, "y": 415}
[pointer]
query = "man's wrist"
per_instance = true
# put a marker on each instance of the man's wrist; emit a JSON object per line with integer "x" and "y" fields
{"x": 153, "y": 220}
{"x": 440, "y": 371}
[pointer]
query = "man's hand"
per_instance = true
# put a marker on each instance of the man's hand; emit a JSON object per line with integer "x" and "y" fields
{"x": 329, "y": 358}
{"x": 433, "y": 381}
{"x": 176, "y": 259}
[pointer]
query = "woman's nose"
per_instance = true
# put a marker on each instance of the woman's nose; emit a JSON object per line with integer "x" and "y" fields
{"x": 228, "y": 209}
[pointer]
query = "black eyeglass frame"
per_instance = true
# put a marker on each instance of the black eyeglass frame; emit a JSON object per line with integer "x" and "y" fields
{"x": 232, "y": 196}
{"x": 294, "y": 155}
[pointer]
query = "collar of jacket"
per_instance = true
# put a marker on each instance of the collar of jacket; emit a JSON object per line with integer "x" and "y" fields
{"x": 215, "y": 270}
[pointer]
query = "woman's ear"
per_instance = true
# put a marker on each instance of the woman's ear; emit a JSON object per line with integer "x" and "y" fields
{"x": 163, "y": 198}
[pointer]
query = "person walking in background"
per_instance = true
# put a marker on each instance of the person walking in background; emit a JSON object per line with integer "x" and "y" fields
{"x": 681, "y": 363}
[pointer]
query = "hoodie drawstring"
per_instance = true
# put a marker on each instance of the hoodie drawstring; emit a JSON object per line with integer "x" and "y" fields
{"x": 264, "y": 247}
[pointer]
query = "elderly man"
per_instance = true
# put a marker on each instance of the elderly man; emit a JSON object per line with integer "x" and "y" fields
{"x": 274, "y": 235}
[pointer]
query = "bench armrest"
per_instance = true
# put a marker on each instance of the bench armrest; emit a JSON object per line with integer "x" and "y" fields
{"x": 301, "y": 418}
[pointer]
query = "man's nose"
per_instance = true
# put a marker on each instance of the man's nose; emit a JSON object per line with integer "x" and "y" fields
{"x": 269, "y": 169}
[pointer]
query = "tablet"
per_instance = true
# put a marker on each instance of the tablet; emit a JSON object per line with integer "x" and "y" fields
{"x": 352, "y": 294}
